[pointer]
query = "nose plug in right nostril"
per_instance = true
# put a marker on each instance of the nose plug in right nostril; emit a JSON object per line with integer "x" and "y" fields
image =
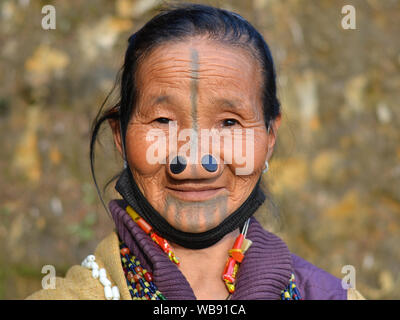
{"x": 209, "y": 163}
{"x": 178, "y": 165}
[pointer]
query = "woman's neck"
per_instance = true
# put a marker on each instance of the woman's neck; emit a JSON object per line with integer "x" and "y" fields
{"x": 203, "y": 267}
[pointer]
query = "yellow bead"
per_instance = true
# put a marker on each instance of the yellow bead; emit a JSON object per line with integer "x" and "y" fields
{"x": 230, "y": 287}
{"x": 132, "y": 213}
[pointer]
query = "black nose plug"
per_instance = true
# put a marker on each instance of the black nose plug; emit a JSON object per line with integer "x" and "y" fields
{"x": 209, "y": 163}
{"x": 178, "y": 164}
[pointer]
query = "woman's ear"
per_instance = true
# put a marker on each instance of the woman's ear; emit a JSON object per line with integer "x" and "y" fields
{"x": 272, "y": 134}
{"x": 115, "y": 127}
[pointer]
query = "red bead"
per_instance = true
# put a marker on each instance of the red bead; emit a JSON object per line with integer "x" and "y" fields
{"x": 148, "y": 276}
{"x": 238, "y": 242}
{"x": 138, "y": 269}
{"x": 138, "y": 287}
{"x": 124, "y": 251}
{"x": 229, "y": 270}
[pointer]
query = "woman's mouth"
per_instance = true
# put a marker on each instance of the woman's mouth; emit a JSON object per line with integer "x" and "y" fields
{"x": 195, "y": 194}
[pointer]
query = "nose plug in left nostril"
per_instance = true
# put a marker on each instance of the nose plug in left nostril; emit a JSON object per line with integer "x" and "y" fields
{"x": 178, "y": 165}
{"x": 209, "y": 163}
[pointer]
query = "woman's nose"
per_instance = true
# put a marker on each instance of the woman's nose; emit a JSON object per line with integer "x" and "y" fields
{"x": 181, "y": 168}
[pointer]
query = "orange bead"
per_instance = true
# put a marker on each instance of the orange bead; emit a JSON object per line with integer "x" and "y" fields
{"x": 144, "y": 225}
{"x": 125, "y": 251}
{"x": 138, "y": 269}
{"x": 130, "y": 276}
{"x": 136, "y": 277}
{"x": 236, "y": 254}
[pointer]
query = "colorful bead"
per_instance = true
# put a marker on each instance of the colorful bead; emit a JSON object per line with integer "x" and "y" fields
{"x": 228, "y": 271}
{"x": 134, "y": 215}
{"x": 148, "y": 276}
{"x": 238, "y": 241}
{"x": 125, "y": 251}
{"x": 246, "y": 245}
{"x": 136, "y": 278}
{"x": 130, "y": 276}
{"x": 144, "y": 226}
{"x": 138, "y": 269}
{"x": 291, "y": 292}
{"x": 163, "y": 244}
{"x": 236, "y": 254}
{"x": 139, "y": 280}
{"x": 230, "y": 287}
{"x": 145, "y": 287}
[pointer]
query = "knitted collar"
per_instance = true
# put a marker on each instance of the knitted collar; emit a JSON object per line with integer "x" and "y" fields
{"x": 262, "y": 275}
{"x": 131, "y": 193}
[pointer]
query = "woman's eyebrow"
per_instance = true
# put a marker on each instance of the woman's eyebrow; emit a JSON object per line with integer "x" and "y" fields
{"x": 163, "y": 99}
{"x": 226, "y": 102}
{"x": 233, "y": 104}
{"x": 160, "y": 99}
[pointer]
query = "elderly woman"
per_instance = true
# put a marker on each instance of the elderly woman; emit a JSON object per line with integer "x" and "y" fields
{"x": 196, "y": 124}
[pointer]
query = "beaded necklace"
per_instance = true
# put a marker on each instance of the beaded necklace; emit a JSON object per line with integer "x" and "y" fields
{"x": 291, "y": 292}
{"x": 140, "y": 281}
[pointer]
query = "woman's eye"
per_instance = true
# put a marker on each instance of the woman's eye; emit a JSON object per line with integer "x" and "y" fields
{"x": 229, "y": 122}
{"x": 163, "y": 120}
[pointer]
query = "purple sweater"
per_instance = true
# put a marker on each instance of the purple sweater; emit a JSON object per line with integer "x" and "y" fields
{"x": 262, "y": 275}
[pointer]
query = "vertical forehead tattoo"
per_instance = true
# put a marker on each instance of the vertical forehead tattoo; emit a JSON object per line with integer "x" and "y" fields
{"x": 194, "y": 87}
{"x": 194, "y": 64}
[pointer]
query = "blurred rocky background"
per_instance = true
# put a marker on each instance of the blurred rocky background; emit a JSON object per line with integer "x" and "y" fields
{"x": 334, "y": 180}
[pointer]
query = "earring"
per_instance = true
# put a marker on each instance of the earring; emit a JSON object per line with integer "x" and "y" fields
{"x": 266, "y": 166}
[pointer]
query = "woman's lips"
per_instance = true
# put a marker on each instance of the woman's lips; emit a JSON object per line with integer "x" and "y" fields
{"x": 193, "y": 194}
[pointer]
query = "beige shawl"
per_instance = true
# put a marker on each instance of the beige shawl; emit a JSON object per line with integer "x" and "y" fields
{"x": 79, "y": 284}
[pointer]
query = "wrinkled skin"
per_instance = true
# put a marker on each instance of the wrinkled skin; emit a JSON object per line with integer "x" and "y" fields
{"x": 200, "y": 84}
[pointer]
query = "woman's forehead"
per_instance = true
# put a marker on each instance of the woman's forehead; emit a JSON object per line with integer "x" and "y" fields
{"x": 210, "y": 66}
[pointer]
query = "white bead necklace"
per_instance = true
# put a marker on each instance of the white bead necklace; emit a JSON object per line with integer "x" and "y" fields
{"x": 111, "y": 293}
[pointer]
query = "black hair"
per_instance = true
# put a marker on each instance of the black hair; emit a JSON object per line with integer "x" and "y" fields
{"x": 178, "y": 23}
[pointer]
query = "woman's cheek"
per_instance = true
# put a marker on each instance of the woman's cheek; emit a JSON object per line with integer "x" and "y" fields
{"x": 260, "y": 151}
{"x": 245, "y": 153}
{"x": 139, "y": 150}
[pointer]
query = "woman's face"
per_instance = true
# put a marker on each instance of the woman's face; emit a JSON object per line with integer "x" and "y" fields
{"x": 190, "y": 93}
